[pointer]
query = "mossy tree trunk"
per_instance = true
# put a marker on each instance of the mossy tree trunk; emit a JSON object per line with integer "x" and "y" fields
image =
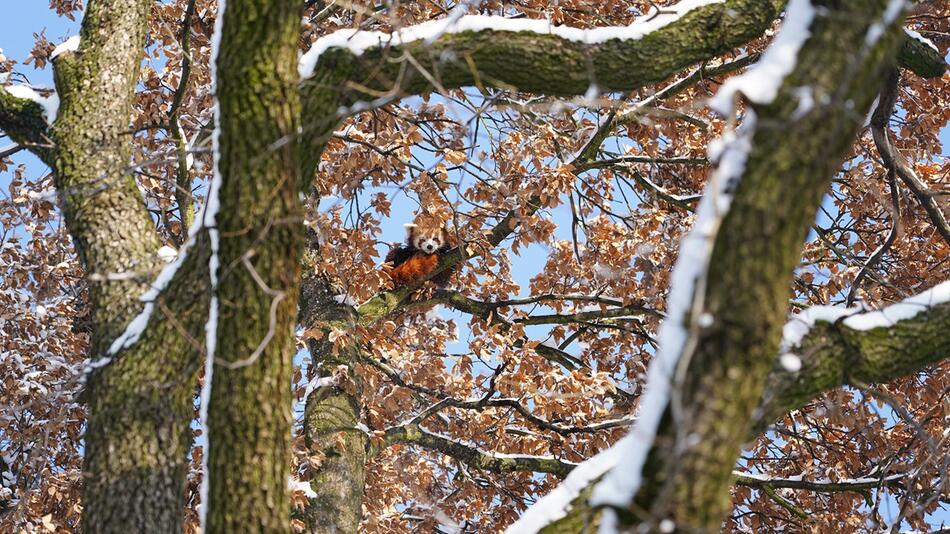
{"x": 138, "y": 433}
{"x": 140, "y": 405}
{"x": 261, "y": 238}
{"x": 758, "y": 245}
{"x": 332, "y": 426}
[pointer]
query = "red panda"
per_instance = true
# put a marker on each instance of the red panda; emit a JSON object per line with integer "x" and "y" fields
{"x": 427, "y": 239}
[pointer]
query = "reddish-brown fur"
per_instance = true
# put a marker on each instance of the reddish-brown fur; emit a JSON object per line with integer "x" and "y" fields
{"x": 409, "y": 264}
{"x": 414, "y": 269}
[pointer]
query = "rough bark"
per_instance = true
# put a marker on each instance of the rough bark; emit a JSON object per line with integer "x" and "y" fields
{"x": 140, "y": 411}
{"x": 24, "y": 122}
{"x": 834, "y": 355}
{"x": 551, "y": 65}
{"x": 138, "y": 433}
{"x": 261, "y": 238}
{"x": 332, "y": 417}
{"x": 757, "y": 247}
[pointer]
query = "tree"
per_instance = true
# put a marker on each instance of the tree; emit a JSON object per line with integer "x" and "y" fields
{"x": 237, "y": 149}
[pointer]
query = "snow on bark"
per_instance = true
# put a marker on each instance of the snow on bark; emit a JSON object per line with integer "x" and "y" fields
{"x": 50, "y": 104}
{"x": 918, "y": 37}
{"x": 857, "y": 318}
{"x": 876, "y": 30}
{"x": 759, "y": 84}
{"x": 358, "y": 42}
{"x": 69, "y": 45}
{"x": 210, "y": 221}
{"x": 685, "y": 311}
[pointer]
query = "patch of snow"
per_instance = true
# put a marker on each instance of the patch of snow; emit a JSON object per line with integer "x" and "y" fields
{"x": 798, "y": 326}
{"x": 69, "y": 45}
{"x": 358, "y": 42}
{"x": 167, "y": 254}
{"x": 918, "y": 37}
{"x": 317, "y": 383}
{"x": 876, "y": 30}
{"x": 790, "y": 362}
{"x": 295, "y": 484}
{"x": 344, "y": 299}
{"x": 40, "y": 311}
{"x": 46, "y": 195}
{"x": 50, "y": 104}
{"x": 867, "y": 120}
{"x": 900, "y": 311}
{"x": 209, "y": 220}
{"x": 806, "y": 101}
{"x": 760, "y": 84}
{"x": 857, "y": 318}
{"x": 591, "y": 96}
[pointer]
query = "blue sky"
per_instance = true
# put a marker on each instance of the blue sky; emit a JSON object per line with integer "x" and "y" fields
{"x": 24, "y": 17}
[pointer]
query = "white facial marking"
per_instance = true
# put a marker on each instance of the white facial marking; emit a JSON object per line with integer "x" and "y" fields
{"x": 428, "y": 244}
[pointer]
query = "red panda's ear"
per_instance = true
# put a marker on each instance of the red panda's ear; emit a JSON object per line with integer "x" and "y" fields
{"x": 448, "y": 236}
{"x": 410, "y": 230}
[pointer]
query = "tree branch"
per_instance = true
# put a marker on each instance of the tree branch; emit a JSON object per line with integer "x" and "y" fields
{"x": 471, "y": 454}
{"x": 895, "y": 162}
{"x": 835, "y": 353}
{"x": 727, "y": 331}
{"x": 23, "y": 120}
{"x": 538, "y": 59}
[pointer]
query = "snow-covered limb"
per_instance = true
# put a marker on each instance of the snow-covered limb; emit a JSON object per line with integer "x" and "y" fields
{"x": 685, "y": 301}
{"x": 839, "y": 346}
{"x": 69, "y": 45}
{"x": 472, "y": 455}
{"x": 734, "y": 267}
{"x": 858, "y": 318}
{"x": 532, "y": 55}
{"x": 357, "y": 42}
{"x": 824, "y": 485}
{"x": 49, "y": 104}
{"x": 920, "y": 38}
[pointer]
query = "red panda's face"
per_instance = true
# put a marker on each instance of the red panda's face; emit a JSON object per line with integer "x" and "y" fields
{"x": 427, "y": 241}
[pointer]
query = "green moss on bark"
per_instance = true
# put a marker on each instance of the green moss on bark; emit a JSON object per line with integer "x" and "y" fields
{"x": 261, "y": 239}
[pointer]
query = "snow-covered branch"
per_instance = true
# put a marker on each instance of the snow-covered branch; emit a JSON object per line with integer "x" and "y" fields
{"x": 23, "y": 114}
{"x": 472, "y": 455}
{"x": 729, "y": 286}
{"x": 531, "y": 55}
{"x": 828, "y": 347}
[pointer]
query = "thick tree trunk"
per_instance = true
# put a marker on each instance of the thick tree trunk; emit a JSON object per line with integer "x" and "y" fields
{"x": 261, "y": 238}
{"x": 140, "y": 413}
{"x": 138, "y": 433}
{"x": 332, "y": 418}
{"x": 689, "y": 468}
